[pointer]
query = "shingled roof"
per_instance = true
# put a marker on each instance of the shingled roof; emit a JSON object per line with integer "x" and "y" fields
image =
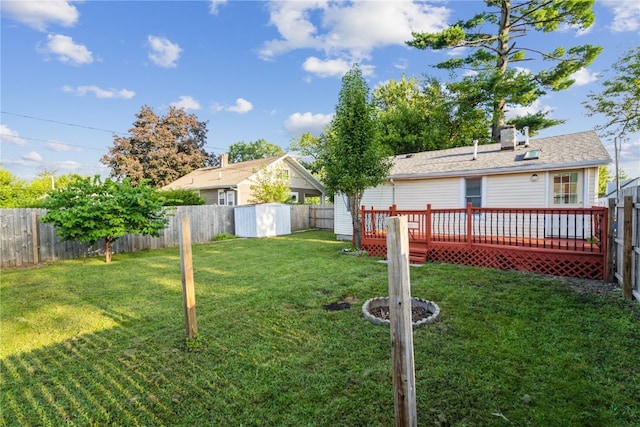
{"x": 582, "y": 149}
{"x": 224, "y": 177}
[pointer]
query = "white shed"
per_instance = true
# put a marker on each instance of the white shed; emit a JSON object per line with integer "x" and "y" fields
{"x": 262, "y": 220}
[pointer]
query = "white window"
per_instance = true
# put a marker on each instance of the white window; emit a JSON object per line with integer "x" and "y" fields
{"x": 231, "y": 198}
{"x": 565, "y": 188}
{"x": 221, "y": 198}
{"x": 473, "y": 192}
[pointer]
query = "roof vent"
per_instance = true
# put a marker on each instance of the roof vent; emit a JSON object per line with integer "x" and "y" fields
{"x": 508, "y": 139}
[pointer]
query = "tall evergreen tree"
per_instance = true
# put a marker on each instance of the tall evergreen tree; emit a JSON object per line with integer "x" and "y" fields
{"x": 492, "y": 36}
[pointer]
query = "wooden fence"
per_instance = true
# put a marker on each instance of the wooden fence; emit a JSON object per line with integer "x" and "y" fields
{"x": 25, "y": 240}
{"x": 624, "y": 241}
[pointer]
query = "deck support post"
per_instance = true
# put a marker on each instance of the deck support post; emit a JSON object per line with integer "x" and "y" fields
{"x": 469, "y": 224}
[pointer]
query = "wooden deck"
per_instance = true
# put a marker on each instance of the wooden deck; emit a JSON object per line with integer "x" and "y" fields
{"x": 550, "y": 241}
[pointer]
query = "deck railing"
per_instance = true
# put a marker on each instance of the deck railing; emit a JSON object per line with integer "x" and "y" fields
{"x": 578, "y": 229}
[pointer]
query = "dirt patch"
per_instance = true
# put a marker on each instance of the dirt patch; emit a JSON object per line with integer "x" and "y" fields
{"x": 337, "y": 306}
{"x": 417, "y": 313}
{"x": 597, "y": 287}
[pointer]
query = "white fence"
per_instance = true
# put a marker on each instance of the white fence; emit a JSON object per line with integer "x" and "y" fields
{"x": 25, "y": 240}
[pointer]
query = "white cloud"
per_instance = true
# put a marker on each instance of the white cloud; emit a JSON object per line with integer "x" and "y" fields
{"x": 58, "y": 146}
{"x": 519, "y": 110}
{"x": 626, "y": 15}
{"x": 214, "y": 5}
{"x": 299, "y": 123}
{"x": 100, "y": 93}
{"x": 66, "y": 50}
{"x": 39, "y": 14}
{"x": 401, "y": 64}
{"x": 242, "y": 106}
{"x": 583, "y": 77}
{"x": 186, "y": 102}
{"x": 328, "y": 68}
{"x": 10, "y": 136}
{"x": 32, "y": 156}
{"x": 346, "y": 29}
{"x": 163, "y": 53}
{"x": 333, "y": 67}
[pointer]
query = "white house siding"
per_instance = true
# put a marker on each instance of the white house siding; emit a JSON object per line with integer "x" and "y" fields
{"x": 416, "y": 194}
{"x": 516, "y": 191}
{"x": 379, "y": 197}
{"x": 592, "y": 186}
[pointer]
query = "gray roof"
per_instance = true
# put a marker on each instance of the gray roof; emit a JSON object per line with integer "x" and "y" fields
{"x": 234, "y": 173}
{"x": 576, "y": 150}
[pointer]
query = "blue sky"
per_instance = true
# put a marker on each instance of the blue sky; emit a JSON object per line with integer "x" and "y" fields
{"x": 75, "y": 72}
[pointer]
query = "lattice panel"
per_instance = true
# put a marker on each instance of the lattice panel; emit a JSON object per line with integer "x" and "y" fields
{"x": 570, "y": 265}
{"x": 582, "y": 265}
{"x": 376, "y": 250}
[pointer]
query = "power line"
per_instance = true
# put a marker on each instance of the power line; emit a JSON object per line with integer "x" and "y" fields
{"x": 63, "y": 123}
{"x": 61, "y": 143}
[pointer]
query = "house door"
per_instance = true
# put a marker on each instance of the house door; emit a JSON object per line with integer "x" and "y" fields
{"x": 566, "y": 193}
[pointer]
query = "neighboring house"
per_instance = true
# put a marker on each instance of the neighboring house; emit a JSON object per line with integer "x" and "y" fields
{"x": 230, "y": 184}
{"x": 612, "y": 193}
{"x": 554, "y": 172}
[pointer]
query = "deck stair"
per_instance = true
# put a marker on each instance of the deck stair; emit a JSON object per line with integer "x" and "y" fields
{"x": 417, "y": 254}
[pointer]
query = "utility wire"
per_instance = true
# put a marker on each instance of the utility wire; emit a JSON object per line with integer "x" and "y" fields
{"x": 62, "y": 123}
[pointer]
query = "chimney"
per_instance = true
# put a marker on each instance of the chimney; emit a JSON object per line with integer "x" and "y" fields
{"x": 526, "y": 135}
{"x": 508, "y": 138}
{"x": 224, "y": 159}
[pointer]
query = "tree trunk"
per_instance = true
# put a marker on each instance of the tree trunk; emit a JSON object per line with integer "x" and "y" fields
{"x": 356, "y": 221}
{"x": 499, "y": 103}
{"x": 107, "y": 250}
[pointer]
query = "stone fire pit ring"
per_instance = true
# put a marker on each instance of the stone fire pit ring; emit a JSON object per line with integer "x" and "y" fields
{"x": 378, "y": 302}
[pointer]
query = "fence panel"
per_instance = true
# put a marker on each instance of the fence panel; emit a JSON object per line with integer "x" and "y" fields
{"x": 18, "y": 244}
{"x": 25, "y": 240}
{"x": 619, "y": 241}
{"x": 321, "y": 217}
{"x": 299, "y": 217}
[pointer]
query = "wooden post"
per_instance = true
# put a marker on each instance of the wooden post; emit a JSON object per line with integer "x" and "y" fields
{"x": 611, "y": 241}
{"x": 34, "y": 237}
{"x": 188, "y": 291}
{"x": 404, "y": 381}
{"x": 469, "y": 224}
{"x": 627, "y": 251}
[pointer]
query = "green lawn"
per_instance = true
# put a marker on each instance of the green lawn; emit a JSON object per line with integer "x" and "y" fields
{"x": 89, "y": 343}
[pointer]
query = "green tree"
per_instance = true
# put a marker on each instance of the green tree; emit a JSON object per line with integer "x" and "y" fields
{"x": 19, "y": 193}
{"x": 354, "y": 158}
{"x": 260, "y": 149}
{"x": 310, "y": 148}
{"x": 495, "y": 53}
{"x": 428, "y": 115}
{"x": 160, "y": 149}
{"x": 619, "y": 100}
{"x": 270, "y": 185}
{"x": 605, "y": 175}
{"x": 181, "y": 197}
{"x": 12, "y": 190}
{"x": 91, "y": 209}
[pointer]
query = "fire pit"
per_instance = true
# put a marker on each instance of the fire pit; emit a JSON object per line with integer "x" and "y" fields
{"x": 376, "y": 310}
